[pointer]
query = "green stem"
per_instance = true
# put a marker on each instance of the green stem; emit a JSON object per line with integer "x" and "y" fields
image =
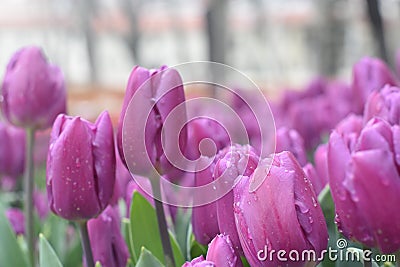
{"x": 162, "y": 223}
{"x": 87, "y": 249}
{"x": 28, "y": 188}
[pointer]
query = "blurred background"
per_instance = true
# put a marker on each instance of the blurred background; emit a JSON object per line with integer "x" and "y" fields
{"x": 278, "y": 44}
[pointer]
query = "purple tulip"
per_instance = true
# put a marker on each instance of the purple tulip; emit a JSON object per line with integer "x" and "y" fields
{"x": 312, "y": 175}
{"x": 204, "y": 218}
{"x": 235, "y": 161}
{"x": 321, "y": 167}
{"x": 199, "y": 262}
{"x": 40, "y": 203}
{"x": 108, "y": 245}
{"x": 282, "y": 214}
{"x": 80, "y": 167}
{"x": 369, "y": 74}
{"x": 155, "y": 100}
{"x": 33, "y": 90}
{"x": 315, "y": 88}
{"x": 365, "y": 184}
{"x": 290, "y": 140}
{"x": 122, "y": 178}
{"x": 221, "y": 252}
{"x": 201, "y": 130}
{"x": 17, "y": 220}
{"x": 12, "y": 150}
{"x": 384, "y": 104}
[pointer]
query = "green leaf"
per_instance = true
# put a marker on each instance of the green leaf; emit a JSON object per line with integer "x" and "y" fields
{"x": 98, "y": 264}
{"x": 144, "y": 231}
{"x": 197, "y": 249}
{"x": 182, "y": 225}
{"x": 125, "y": 229}
{"x": 144, "y": 228}
{"x": 147, "y": 259}
{"x": 10, "y": 253}
{"x": 176, "y": 250}
{"x": 54, "y": 229}
{"x": 47, "y": 255}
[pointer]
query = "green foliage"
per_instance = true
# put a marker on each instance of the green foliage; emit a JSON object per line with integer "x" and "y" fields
{"x": 47, "y": 255}
{"x": 144, "y": 232}
{"x": 11, "y": 254}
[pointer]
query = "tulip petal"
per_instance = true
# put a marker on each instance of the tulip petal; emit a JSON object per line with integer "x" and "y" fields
{"x": 376, "y": 187}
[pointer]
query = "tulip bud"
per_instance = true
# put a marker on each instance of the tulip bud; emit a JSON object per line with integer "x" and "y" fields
{"x": 221, "y": 252}
{"x": 364, "y": 181}
{"x": 290, "y": 140}
{"x": 12, "y": 150}
{"x": 80, "y": 167}
{"x": 384, "y": 104}
{"x": 122, "y": 178}
{"x": 33, "y": 90}
{"x": 199, "y": 262}
{"x": 204, "y": 218}
{"x": 282, "y": 214}
{"x": 40, "y": 203}
{"x": 321, "y": 166}
{"x": 369, "y": 74}
{"x": 108, "y": 245}
{"x": 17, "y": 220}
{"x": 235, "y": 161}
{"x": 153, "y": 94}
{"x": 312, "y": 175}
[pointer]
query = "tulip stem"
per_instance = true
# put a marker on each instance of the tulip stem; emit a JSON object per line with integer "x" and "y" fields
{"x": 87, "y": 249}
{"x": 162, "y": 223}
{"x": 28, "y": 187}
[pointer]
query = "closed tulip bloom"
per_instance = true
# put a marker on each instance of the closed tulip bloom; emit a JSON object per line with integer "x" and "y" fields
{"x": 17, "y": 220}
{"x": 369, "y": 74}
{"x": 204, "y": 218}
{"x": 122, "y": 178}
{"x": 315, "y": 180}
{"x": 365, "y": 184}
{"x": 199, "y": 262}
{"x": 384, "y": 104}
{"x": 12, "y": 150}
{"x": 80, "y": 167}
{"x": 33, "y": 90}
{"x": 157, "y": 93}
{"x": 290, "y": 140}
{"x": 321, "y": 165}
{"x": 108, "y": 245}
{"x": 40, "y": 203}
{"x": 282, "y": 214}
{"x": 221, "y": 252}
{"x": 235, "y": 161}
